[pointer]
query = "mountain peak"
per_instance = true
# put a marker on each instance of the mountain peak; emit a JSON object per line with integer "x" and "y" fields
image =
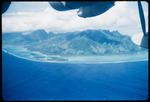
{"x": 39, "y": 31}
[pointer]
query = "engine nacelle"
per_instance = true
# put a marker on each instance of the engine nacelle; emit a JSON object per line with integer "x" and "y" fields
{"x": 63, "y": 5}
{"x": 95, "y": 10}
{"x": 86, "y": 9}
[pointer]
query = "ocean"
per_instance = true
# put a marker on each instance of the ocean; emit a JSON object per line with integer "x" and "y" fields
{"x": 29, "y": 80}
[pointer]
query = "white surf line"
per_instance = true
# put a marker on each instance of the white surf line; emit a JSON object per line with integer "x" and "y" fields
{"x": 77, "y": 62}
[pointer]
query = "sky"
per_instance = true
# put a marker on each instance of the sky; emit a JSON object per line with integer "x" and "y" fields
{"x": 30, "y": 16}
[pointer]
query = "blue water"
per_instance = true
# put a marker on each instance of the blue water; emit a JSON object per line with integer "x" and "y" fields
{"x": 29, "y": 80}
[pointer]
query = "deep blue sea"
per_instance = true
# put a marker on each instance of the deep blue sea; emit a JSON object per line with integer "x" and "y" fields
{"x": 28, "y": 80}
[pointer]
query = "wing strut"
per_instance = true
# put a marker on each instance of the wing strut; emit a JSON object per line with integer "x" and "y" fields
{"x": 144, "y": 42}
{"x": 142, "y": 18}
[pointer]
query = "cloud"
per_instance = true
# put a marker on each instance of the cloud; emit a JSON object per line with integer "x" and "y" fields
{"x": 121, "y": 17}
{"x": 137, "y": 38}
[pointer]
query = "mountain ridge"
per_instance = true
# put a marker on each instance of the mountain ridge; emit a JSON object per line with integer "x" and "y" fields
{"x": 87, "y": 42}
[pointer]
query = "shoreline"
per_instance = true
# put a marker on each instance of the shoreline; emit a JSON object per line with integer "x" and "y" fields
{"x": 82, "y": 61}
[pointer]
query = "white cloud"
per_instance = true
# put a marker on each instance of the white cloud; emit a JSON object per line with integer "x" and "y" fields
{"x": 137, "y": 38}
{"x": 121, "y": 17}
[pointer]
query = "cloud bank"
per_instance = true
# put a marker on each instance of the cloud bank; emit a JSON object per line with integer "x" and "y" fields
{"x": 121, "y": 17}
